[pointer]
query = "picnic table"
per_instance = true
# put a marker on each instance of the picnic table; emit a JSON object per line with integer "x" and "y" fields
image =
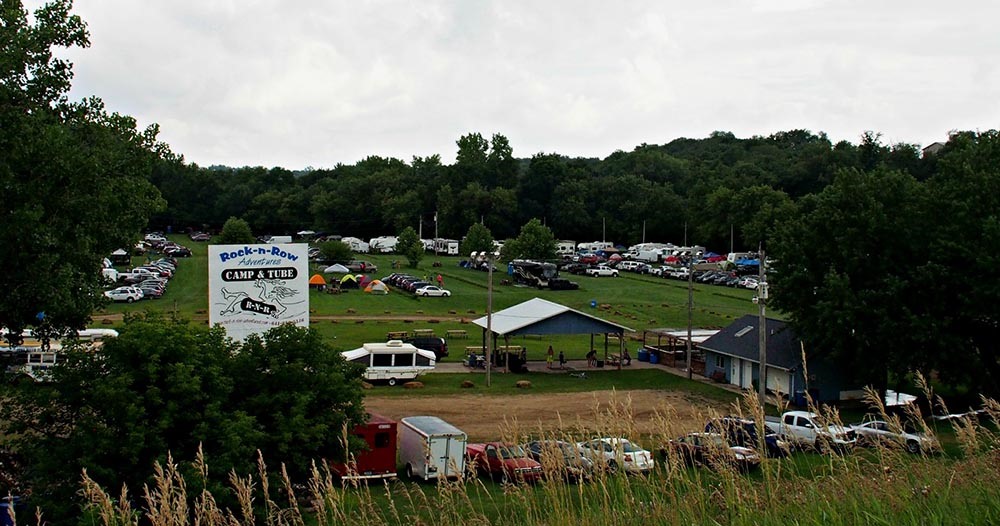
{"x": 396, "y": 335}
{"x": 457, "y": 333}
{"x": 423, "y": 332}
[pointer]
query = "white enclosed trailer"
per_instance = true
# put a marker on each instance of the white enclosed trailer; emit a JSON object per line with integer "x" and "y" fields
{"x": 430, "y": 448}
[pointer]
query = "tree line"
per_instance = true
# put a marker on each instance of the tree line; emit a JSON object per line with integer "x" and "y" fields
{"x": 705, "y": 189}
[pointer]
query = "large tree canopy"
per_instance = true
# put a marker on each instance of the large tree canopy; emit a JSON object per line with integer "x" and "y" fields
{"x": 167, "y": 387}
{"x": 844, "y": 271}
{"x": 75, "y": 177}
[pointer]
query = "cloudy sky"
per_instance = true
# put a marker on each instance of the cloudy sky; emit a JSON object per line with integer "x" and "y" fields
{"x": 316, "y": 83}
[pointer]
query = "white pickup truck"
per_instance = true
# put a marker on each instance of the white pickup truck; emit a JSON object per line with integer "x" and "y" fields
{"x": 804, "y": 429}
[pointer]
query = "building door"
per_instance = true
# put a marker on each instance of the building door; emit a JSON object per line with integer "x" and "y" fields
{"x": 746, "y": 381}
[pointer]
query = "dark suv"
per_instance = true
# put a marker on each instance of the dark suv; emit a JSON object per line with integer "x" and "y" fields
{"x": 743, "y": 432}
{"x": 430, "y": 343}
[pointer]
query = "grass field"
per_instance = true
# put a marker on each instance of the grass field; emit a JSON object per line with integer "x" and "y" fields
{"x": 635, "y": 301}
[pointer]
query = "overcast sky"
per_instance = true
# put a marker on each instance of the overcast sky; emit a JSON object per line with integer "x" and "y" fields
{"x": 316, "y": 83}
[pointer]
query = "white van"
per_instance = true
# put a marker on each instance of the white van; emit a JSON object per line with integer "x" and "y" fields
{"x": 392, "y": 361}
{"x": 430, "y": 448}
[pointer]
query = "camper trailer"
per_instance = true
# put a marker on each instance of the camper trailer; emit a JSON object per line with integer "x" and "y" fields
{"x": 391, "y": 361}
{"x": 594, "y": 246}
{"x": 356, "y": 244}
{"x": 565, "y": 248}
{"x": 430, "y": 448}
{"x": 383, "y": 244}
{"x": 377, "y": 460}
{"x": 446, "y": 246}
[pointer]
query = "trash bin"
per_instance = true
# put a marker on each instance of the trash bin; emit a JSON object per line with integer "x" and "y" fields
{"x": 654, "y": 357}
{"x": 799, "y": 399}
{"x": 600, "y": 363}
{"x": 593, "y": 304}
{"x": 642, "y": 355}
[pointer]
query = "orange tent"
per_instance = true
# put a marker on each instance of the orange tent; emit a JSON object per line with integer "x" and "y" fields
{"x": 317, "y": 281}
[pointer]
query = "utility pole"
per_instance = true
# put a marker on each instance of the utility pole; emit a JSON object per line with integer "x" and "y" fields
{"x": 604, "y": 230}
{"x": 690, "y": 304}
{"x": 435, "y": 233}
{"x": 643, "y": 230}
{"x": 762, "y": 325}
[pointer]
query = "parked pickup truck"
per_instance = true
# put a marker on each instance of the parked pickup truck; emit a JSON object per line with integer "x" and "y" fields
{"x": 804, "y": 429}
{"x": 504, "y": 462}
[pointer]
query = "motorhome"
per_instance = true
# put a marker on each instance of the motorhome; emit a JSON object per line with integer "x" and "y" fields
{"x": 430, "y": 448}
{"x": 391, "y": 361}
{"x": 446, "y": 246}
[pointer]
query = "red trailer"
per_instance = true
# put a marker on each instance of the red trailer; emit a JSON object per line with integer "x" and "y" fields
{"x": 378, "y": 459}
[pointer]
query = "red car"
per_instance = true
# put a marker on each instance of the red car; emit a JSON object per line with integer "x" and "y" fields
{"x": 503, "y": 462}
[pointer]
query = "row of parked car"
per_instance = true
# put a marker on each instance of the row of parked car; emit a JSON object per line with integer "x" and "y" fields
{"x": 415, "y": 285}
{"x": 157, "y": 242}
{"x": 729, "y": 442}
{"x": 148, "y": 281}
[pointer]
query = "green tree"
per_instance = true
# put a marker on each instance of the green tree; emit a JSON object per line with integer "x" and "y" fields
{"x": 301, "y": 393}
{"x": 410, "y": 245}
{"x": 844, "y": 273}
{"x": 535, "y": 241}
{"x": 336, "y": 251}
{"x": 959, "y": 276}
{"x": 160, "y": 387}
{"x": 74, "y": 177}
{"x": 477, "y": 239}
{"x": 168, "y": 387}
{"x": 236, "y": 231}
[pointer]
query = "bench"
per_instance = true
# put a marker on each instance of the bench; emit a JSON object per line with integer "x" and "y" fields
{"x": 457, "y": 333}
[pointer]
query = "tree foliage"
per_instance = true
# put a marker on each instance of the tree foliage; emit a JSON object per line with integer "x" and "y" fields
{"x": 535, "y": 241}
{"x": 166, "y": 387}
{"x": 477, "y": 239}
{"x": 845, "y": 273}
{"x": 75, "y": 177}
{"x": 236, "y": 231}
{"x": 410, "y": 245}
{"x": 336, "y": 251}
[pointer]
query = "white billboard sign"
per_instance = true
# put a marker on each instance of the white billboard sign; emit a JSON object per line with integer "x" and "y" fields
{"x": 253, "y": 288}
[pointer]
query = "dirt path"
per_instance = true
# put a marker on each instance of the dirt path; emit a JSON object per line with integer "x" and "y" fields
{"x": 605, "y": 412}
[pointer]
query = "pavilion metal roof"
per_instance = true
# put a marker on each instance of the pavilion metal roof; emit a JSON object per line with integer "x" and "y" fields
{"x": 538, "y": 316}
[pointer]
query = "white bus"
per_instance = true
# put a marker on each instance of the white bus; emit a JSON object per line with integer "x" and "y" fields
{"x": 391, "y": 361}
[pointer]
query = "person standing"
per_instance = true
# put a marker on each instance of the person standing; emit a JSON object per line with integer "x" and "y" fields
{"x": 549, "y": 357}
{"x": 440, "y": 281}
{"x": 562, "y": 360}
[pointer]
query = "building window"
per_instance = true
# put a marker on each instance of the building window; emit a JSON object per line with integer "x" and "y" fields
{"x": 720, "y": 361}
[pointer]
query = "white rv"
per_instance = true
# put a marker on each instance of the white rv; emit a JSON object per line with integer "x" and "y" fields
{"x": 594, "y": 246}
{"x": 356, "y": 244}
{"x": 565, "y": 247}
{"x": 431, "y": 448}
{"x": 446, "y": 246}
{"x": 383, "y": 244}
{"x": 391, "y": 361}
